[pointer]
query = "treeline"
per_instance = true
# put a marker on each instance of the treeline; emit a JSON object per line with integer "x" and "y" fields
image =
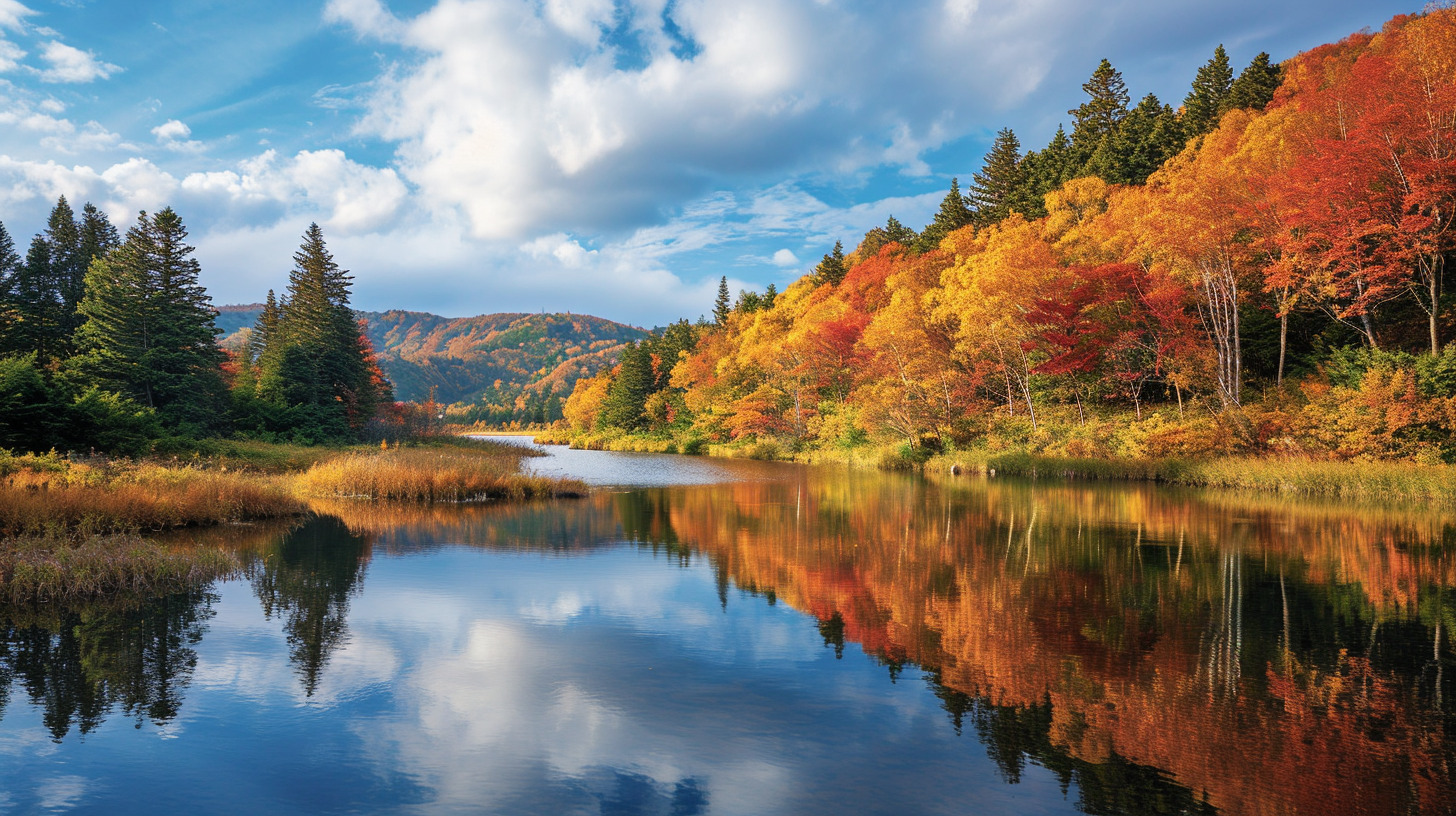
{"x": 1263, "y": 267}
{"x": 107, "y": 343}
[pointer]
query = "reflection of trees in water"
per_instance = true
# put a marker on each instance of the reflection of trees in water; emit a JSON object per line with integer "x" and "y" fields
{"x": 307, "y": 579}
{"x": 79, "y": 665}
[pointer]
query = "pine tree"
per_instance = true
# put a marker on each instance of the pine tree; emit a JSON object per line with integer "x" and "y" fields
{"x": 314, "y": 354}
{"x": 623, "y": 405}
{"x": 1041, "y": 172}
{"x": 1255, "y": 87}
{"x": 952, "y": 215}
{"x": 9, "y": 271}
{"x": 1100, "y": 115}
{"x": 265, "y": 328}
{"x": 1207, "y": 100}
{"x": 896, "y": 232}
{"x": 148, "y": 333}
{"x": 832, "y": 268}
{"x": 37, "y": 305}
{"x": 722, "y": 306}
{"x": 68, "y": 267}
{"x": 1149, "y": 136}
{"x": 993, "y": 190}
{"x": 770, "y": 294}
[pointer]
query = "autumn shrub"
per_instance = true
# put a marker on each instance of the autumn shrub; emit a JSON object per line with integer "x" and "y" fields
{"x": 1384, "y": 415}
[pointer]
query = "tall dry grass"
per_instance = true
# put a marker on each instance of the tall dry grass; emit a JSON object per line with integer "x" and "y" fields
{"x": 84, "y": 500}
{"x": 47, "y": 569}
{"x": 452, "y": 474}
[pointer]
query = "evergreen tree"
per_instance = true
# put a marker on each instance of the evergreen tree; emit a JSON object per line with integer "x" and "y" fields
{"x": 1100, "y": 115}
{"x": 37, "y": 305}
{"x": 1209, "y": 96}
{"x": 993, "y": 190}
{"x": 148, "y": 333}
{"x": 315, "y": 355}
{"x": 1149, "y": 136}
{"x": 895, "y": 232}
{"x": 832, "y": 268}
{"x": 722, "y": 306}
{"x": 623, "y": 405}
{"x": 1041, "y": 172}
{"x": 1255, "y": 87}
{"x": 770, "y": 294}
{"x": 954, "y": 213}
{"x": 9, "y": 272}
{"x": 265, "y": 328}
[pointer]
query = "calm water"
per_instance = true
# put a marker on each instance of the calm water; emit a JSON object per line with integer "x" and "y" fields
{"x": 716, "y": 637}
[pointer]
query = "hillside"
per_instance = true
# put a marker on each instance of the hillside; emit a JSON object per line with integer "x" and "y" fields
{"x": 463, "y": 358}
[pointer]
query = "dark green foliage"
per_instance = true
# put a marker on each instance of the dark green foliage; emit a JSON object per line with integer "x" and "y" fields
{"x": 627, "y": 395}
{"x": 36, "y": 303}
{"x": 265, "y": 327}
{"x": 67, "y": 268}
{"x": 1209, "y": 97}
{"x": 312, "y": 359}
{"x": 993, "y": 190}
{"x": 1042, "y": 172}
{"x": 110, "y": 422}
{"x": 1255, "y": 87}
{"x": 747, "y": 302}
{"x": 29, "y": 419}
{"x": 1149, "y": 135}
{"x": 1100, "y": 115}
{"x": 148, "y": 332}
{"x": 722, "y": 306}
{"x": 9, "y": 272}
{"x": 770, "y": 294}
{"x": 953, "y": 214}
{"x": 832, "y": 269}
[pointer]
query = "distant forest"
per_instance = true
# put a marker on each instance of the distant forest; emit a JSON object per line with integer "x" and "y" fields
{"x": 1260, "y": 271}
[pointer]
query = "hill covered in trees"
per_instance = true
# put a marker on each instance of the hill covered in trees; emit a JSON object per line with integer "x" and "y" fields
{"x": 497, "y": 367}
{"x": 1260, "y": 271}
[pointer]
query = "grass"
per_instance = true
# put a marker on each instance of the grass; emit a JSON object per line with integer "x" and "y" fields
{"x": 85, "y": 499}
{"x": 444, "y": 474}
{"x": 48, "y": 569}
{"x": 1397, "y": 481}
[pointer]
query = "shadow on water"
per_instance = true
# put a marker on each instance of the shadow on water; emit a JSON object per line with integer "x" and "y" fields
{"x": 1158, "y": 651}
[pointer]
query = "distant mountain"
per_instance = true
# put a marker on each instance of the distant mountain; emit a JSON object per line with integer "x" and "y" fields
{"x": 464, "y": 358}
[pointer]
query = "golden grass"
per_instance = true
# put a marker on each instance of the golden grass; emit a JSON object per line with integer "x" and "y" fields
{"x": 46, "y": 569}
{"x": 90, "y": 500}
{"x": 430, "y": 475}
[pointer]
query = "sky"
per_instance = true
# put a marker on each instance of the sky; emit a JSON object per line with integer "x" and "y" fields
{"x": 606, "y": 157}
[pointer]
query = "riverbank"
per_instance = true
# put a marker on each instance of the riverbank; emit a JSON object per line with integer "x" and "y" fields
{"x": 1289, "y": 475}
{"x": 72, "y": 528}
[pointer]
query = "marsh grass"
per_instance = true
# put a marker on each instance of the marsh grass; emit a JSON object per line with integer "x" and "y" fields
{"x": 49, "y": 569}
{"x": 431, "y": 474}
{"x": 82, "y": 499}
{"x": 1380, "y": 481}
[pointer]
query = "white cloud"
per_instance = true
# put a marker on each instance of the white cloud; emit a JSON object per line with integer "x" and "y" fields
{"x": 171, "y": 131}
{"x": 532, "y": 122}
{"x": 785, "y": 258}
{"x": 69, "y": 64}
{"x": 368, "y": 17}
{"x": 10, "y": 55}
{"x": 13, "y": 14}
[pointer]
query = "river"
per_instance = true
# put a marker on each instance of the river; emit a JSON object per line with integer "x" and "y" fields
{"x": 702, "y": 636}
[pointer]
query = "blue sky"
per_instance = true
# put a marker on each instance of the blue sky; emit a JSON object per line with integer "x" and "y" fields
{"x": 610, "y": 157}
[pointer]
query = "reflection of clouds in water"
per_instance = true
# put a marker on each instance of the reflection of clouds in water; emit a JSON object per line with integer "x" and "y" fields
{"x": 60, "y": 792}
{"x": 262, "y": 677}
{"x": 522, "y": 713}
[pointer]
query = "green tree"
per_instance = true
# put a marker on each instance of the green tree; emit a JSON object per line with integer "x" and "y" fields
{"x": 148, "y": 333}
{"x": 953, "y": 214}
{"x": 37, "y": 306}
{"x": 993, "y": 190}
{"x": 770, "y": 294}
{"x": 1255, "y": 87}
{"x": 314, "y": 356}
{"x": 1208, "y": 99}
{"x": 9, "y": 272}
{"x": 1099, "y": 116}
{"x": 1043, "y": 171}
{"x": 68, "y": 268}
{"x": 722, "y": 306}
{"x": 628, "y": 392}
{"x": 832, "y": 268}
{"x": 1148, "y": 136}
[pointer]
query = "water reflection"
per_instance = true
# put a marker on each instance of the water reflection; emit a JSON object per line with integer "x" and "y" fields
{"x": 1139, "y": 650}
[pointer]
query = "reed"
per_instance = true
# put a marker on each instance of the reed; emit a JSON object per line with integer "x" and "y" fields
{"x": 48, "y": 569}
{"x": 435, "y": 474}
{"x": 86, "y": 500}
{"x": 1398, "y": 481}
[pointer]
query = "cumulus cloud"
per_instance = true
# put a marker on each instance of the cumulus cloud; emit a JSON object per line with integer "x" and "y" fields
{"x": 785, "y": 258}
{"x": 70, "y": 64}
{"x": 585, "y": 115}
{"x": 13, "y": 14}
{"x": 171, "y": 131}
{"x": 10, "y": 55}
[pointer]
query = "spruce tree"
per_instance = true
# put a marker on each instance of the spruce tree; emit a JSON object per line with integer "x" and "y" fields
{"x": 148, "y": 333}
{"x": 265, "y": 328}
{"x": 952, "y": 215}
{"x": 1255, "y": 87}
{"x": 627, "y": 395}
{"x": 37, "y": 305}
{"x": 1042, "y": 172}
{"x": 722, "y": 306}
{"x": 1100, "y": 115}
{"x": 68, "y": 266}
{"x": 9, "y": 271}
{"x": 1210, "y": 92}
{"x": 770, "y": 294}
{"x": 1149, "y": 136}
{"x": 832, "y": 268}
{"x": 894, "y": 231}
{"x": 993, "y": 190}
